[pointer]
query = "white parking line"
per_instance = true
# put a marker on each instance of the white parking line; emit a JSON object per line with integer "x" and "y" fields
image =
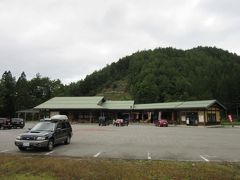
{"x": 96, "y": 155}
{"x": 205, "y": 159}
{"x": 4, "y": 151}
{"x": 49, "y": 153}
{"x": 149, "y": 156}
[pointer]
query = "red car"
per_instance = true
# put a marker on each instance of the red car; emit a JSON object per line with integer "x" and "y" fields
{"x": 161, "y": 123}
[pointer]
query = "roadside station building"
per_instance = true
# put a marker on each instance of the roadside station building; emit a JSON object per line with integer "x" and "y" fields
{"x": 88, "y": 109}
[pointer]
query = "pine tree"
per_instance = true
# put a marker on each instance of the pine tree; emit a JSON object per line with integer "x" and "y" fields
{"x": 7, "y": 94}
{"x": 23, "y": 98}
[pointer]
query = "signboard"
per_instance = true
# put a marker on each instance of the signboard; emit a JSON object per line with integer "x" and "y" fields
{"x": 230, "y": 117}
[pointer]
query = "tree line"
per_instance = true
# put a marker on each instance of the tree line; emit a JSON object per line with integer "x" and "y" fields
{"x": 159, "y": 75}
{"x": 22, "y": 94}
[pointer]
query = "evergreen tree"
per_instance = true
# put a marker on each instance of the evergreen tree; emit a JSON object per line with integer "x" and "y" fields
{"x": 7, "y": 94}
{"x": 23, "y": 98}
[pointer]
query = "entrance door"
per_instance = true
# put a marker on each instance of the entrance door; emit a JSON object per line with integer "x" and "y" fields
{"x": 192, "y": 118}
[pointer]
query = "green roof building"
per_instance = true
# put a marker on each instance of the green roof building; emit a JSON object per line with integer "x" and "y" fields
{"x": 89, "y": 109}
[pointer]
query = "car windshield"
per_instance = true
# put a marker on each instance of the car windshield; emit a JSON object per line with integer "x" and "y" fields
{"x": 44, "y": 126}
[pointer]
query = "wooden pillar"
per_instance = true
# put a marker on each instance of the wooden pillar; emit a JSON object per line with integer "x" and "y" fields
{"x": 79, "y": 116}
{"x": 90, "y": 117}
{"x": 237, "y": 111}
{"x": 215, "y": 111}
{"x": 25, "y": 116}
{"x": 178, "y": 117}
{"x": 204, "y": 117}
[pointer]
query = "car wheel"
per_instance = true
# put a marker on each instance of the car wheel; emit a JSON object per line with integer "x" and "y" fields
{"x": 50, "y": 145}
{"x": 22, "y": 148}
{"x": 68, "y": 140}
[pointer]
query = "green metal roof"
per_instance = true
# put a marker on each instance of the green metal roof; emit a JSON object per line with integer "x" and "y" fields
{"x": 98, "y": 102}
{"x": 118, "y": 105}
{"x": 179, "y": 105}
{"x": 196, "y": 104}
{"x": 169, "y": 105}
{"x": 72, "y": 103}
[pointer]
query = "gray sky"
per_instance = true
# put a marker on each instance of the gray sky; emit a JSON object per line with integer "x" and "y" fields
{"x": 68, "y": 39}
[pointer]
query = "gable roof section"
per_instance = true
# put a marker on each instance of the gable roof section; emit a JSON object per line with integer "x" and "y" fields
{"x": 199, "y": 104}
{"x": 118, "y": 105}
{"x": 72, "y": 103}
{"x": 180, "y": 105}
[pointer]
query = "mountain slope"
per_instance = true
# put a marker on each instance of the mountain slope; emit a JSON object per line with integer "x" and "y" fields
{"x": 167, "y": 74}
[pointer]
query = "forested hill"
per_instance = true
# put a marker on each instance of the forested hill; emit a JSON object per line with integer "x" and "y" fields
{"x": 167, "y": 74}
{"x": 160, "y": 75}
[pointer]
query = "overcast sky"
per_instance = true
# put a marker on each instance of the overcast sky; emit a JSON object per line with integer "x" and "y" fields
{"x": 68, "y": 39}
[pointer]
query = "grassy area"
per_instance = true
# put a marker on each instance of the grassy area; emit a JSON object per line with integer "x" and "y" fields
{"x": 42, "y": 167}
{"x": 227, "y": 123}
{"x": 116, "y": 91}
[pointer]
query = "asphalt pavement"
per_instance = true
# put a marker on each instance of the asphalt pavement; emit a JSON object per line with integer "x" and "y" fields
{"x": 140, "y": 141}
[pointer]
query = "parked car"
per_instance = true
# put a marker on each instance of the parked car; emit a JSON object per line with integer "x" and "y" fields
{"x": 46, "y": 134}
{"x": 17, "y": 122}
{"x": 161, "y": 123}
{"x": 5, "y": 123}
{"x": 103, "y": 121}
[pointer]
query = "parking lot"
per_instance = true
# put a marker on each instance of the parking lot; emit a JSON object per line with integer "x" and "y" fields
{"x": 140, "y": 141}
